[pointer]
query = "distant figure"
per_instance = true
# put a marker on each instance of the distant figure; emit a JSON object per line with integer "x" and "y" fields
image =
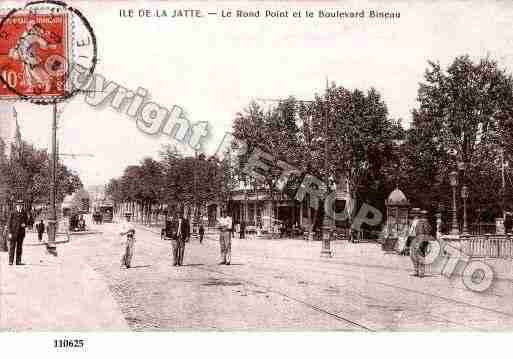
{"x": 127, "y": 231}
{"x": 81, "y": 223}
{"x": 40, "y": 227}
{"x": 4, "y": 234}
{"x": 508, "y": 223}
{"x": 242, "y": 233}
{"x": 17, "y": 224}
{"x": 201, "y": 232}
{"x": 30, "y": 222}
{"x": 225, "y": 237}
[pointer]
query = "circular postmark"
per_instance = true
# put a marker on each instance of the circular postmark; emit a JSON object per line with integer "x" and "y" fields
{"x": 44, "y": 46}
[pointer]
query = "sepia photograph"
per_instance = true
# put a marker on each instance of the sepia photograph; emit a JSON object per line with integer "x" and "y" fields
{"x": 255, "y": 166}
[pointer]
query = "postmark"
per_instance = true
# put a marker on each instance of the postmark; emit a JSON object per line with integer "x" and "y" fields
{"x": 40, "y": 45}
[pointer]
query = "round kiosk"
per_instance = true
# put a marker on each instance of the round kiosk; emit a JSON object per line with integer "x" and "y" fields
{"x": 397, "y": 223}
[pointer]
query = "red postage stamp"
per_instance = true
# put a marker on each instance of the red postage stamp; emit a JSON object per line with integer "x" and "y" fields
{"x": 33, "y": 54}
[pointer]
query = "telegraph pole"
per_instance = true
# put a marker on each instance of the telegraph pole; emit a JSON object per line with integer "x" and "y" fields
{"x": 503, "y": 192}
{"x": 52, "y": 220}
{"x": 196, "y": 208}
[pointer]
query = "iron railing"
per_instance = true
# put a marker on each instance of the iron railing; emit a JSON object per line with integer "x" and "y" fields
{"x": 488, "y": 246}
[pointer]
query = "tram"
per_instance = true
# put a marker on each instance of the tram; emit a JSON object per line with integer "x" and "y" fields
{"x": 106, "y": 209}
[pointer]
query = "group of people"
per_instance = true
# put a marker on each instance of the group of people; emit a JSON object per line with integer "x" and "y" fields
{"x": 177, "y": 231}
{"x": 98, "y": 218}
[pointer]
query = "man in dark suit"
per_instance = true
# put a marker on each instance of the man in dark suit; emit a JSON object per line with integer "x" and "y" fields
{"x": 242, "y": 233}
{"x": 17, "y": 224}
{"x": 184, "y": 232}
{"x": 171, "y": 234}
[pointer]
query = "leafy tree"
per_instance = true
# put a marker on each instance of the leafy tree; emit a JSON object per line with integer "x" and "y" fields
{"x": 463, "y": 121}
{"x": 26, "y": 175}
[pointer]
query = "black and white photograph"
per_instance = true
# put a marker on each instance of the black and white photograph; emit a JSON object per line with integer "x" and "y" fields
{"x": 337, "y": 167}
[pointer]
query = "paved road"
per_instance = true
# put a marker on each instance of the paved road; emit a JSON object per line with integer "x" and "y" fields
{"x": 277, "y": 285}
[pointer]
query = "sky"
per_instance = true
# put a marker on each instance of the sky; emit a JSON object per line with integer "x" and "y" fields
{"x": 213, "y": 67}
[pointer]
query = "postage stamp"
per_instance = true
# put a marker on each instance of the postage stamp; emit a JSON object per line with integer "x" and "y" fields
{"x": 40, "y": 44}
{"x": 34, "y": 54}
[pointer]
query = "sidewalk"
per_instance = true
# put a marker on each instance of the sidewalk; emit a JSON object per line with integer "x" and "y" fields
{"x": 55, "y": 293}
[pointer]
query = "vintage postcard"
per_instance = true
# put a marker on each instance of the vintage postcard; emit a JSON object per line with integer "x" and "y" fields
{"x": 255, "y": 166}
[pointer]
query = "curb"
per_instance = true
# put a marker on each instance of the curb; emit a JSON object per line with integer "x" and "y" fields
{"x": 84, "y": 233}
{"x": 45, "y": 243}
{"x": 69, "y": 235}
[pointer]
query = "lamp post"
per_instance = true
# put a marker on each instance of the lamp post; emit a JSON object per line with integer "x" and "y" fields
{"x": 326, "y": 228}
{"x": 464, "y": 195}
{"x": 453, "y": 178}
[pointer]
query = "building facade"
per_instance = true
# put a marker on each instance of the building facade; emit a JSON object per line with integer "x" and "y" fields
{"x": 9, "y": 133}
{"x": 261, "y": 209}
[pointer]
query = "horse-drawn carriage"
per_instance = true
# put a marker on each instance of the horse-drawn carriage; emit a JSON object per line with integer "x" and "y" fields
{"x": 77, "y": 223}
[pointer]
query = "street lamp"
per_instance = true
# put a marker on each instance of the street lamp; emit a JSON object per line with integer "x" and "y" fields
{"x": 453, "y": 178}
{"x": 464, "y": 195}
{"x": 52, "y": 218}
{"x": 326, "y": 228}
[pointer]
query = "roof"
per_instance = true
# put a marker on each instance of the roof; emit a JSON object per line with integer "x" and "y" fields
{"x": 397, "y": 198}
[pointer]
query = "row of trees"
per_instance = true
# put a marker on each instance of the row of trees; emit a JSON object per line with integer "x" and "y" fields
{"x": 25, "y": 175}
{"x": 178, "y": 181}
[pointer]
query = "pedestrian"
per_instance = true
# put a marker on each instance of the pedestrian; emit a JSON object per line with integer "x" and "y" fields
{"x": 171, "y": 234}
{"x": 127, "y": 231}
{"x": 17, "y": 224}
{"x": 4, "y": 233}
{"x": 225, "y": 237}
{"x": 420, "y": 244}
{"x": 201, "y": 232}
{"x": 30, "y": 222}
{"x": 242, "y": 233}
{"x": 183, "y": 234}
{"x": 40, "y": 228}
{"x": 282, "y": 229}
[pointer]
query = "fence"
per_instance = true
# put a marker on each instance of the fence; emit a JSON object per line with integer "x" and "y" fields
{"x": 481, "y": 228}
{"x": 488, "y": 246}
